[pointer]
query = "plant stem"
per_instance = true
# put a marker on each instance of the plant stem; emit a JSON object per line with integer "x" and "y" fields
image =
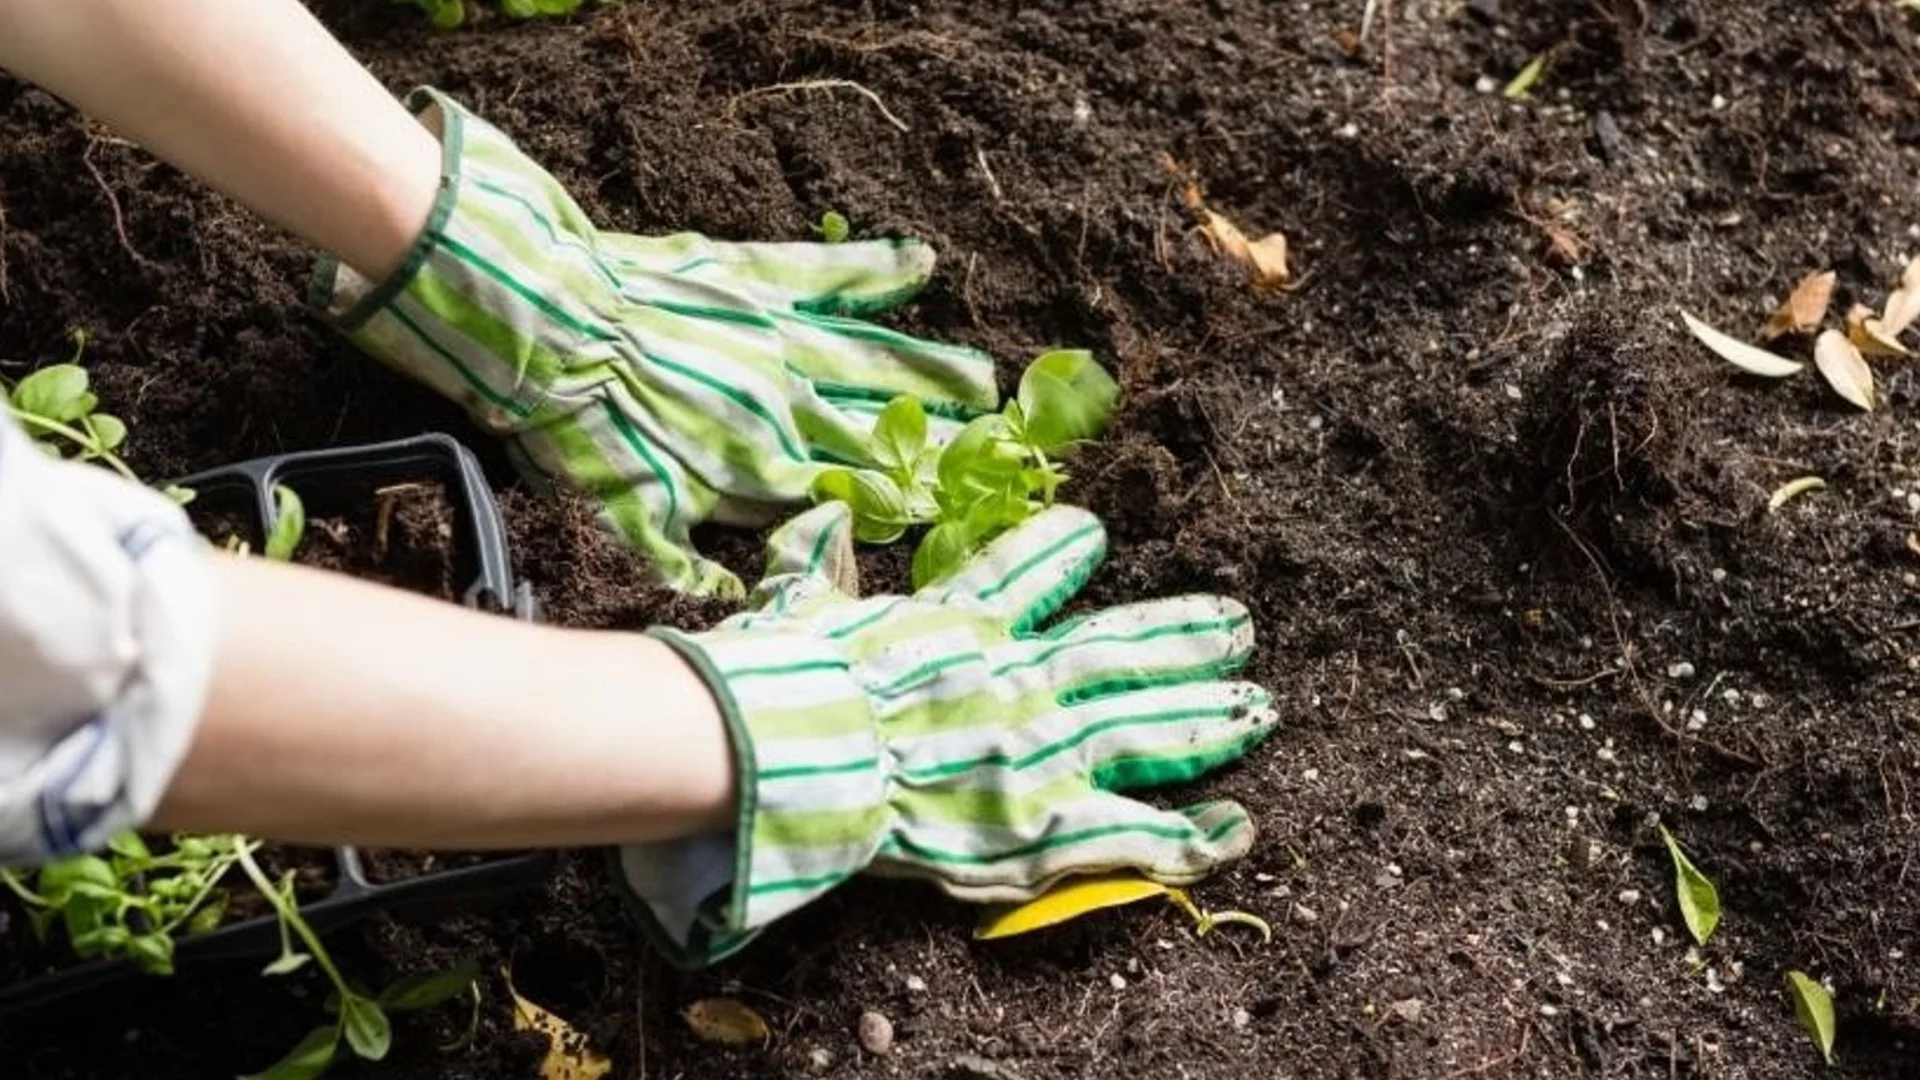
{"x": 218, "y": 869}
{"x": 76, "y": 436}
{"x": 19, "y": 889}
{"x": 289, "y": 913}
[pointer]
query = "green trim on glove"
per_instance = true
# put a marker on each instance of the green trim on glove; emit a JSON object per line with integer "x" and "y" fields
{"x": 942, "y": 736}
{"x": 675, "y": 379}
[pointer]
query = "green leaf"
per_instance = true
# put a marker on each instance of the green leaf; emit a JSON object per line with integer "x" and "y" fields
{"x": 1521, "y": 85}
{"x": 979, "y": 459}
{"x": 286, "y": 963}
{"x": 1065, "y": 398}
{"x": 180, "y": 495}
{"x": 1814, "y": 1006}
{"x": 879, "y": 506}
{"x": 57, "y": 393}
{"x": 417, "y": 992}
{"x": 108, "y": 431}
{"x": 900, "y": 435}
{"x": 206, "y": 918}
{"x": 308, "y": 1058}
{"x": 833, "y": 227}
{"x": 152, "y": 953}
{"x": 289, "y": 524}
{"x": 62, "y": 878}
{"x": 129, "y": 845}
{"x": 367, "y": 1028}
{"x": 1699, "y": 901}
{"x": 941, "y": 551}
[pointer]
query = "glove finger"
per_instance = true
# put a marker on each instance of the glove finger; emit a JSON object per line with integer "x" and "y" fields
{"x": 808, "y": 557}
{"x": 1026, "y": 573}
{"x": 1157, "y": 643}
{"x": 1098, "y": 832}
{"x": 645, "y": 498}
{"x": 861, "y": 277}
{"x": 1161, "y": 735}
{"x": 848, "y": 358}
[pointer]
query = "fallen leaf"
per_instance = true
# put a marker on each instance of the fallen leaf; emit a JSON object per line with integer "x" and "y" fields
{"x": 1748, "y": 358}
{"x": 1901, "y": 309}
{"x": 1067, "y": 901}
{"x": 1844, "y": 368}
{"x": 1869, "y": 334}
{"x": 725, "y": 1021}
{"x": 1805, "y": 309}
{"x": 1814, "y": 1006}
{"x": 1792, "y": 488}
{"x": 1522, "y": 84}
{"x": 568, "y": 1055}
{"x": 1699, "y": 900}
{"x": 1265, "y": 258}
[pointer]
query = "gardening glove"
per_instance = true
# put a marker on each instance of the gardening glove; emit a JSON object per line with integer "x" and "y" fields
{"x": 947, "y": 736}
{"x": 674, "y": 379}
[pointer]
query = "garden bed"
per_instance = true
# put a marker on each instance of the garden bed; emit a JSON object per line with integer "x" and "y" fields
{"x": 1502, "y": 524}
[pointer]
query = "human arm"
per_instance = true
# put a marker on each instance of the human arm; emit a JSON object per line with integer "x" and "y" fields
{"x": 255, "y": 99}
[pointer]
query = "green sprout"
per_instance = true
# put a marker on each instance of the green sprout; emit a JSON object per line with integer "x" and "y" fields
{"x": 1001, "y": 469}
{"x": 833, "y": 227}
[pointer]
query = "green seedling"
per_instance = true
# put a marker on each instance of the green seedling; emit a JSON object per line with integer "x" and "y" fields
{"x": 1001, "y": 469}
{"x": 833, "y": 227}
{"x": 61, "y": 413}
{"x": 1699, "y": 900}
{"x": 289, "y": 524}
{"x": 451, "y": 14}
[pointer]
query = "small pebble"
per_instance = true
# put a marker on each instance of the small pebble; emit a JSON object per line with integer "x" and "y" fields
{"x": 1548, "y": 1010}
{"x": 1241, "y": 1018}
{"x": 1305, "y": 915}
{"x": 916, "y": 984}
{"x": 1681, "y": 670}
{"x": 1630, "y": 896}
{"x": 1718, "y": 102}
{"x": 1696, "y": 720}
{"x": 821, "y": 1059}
{"x": 1486, "y": 84}
{"x": 1719, "y": 575}
{"x": 876, "y": 1033}
{"x": 1659, "y": 936}
{"x": 1698, "y": 804}
{"x": 1349, "y": 130}
{"x": 1586, "y": 722}
{"x": 1117, "y": 981}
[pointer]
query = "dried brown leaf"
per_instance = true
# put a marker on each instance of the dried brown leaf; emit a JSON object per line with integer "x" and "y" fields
{"x": 1869, "y": 334}
{"x": 1844, "y": 369}
{"x": 1265, "y": 258}
{"x": 1900, "y": 311}
{"x": 569, "y": 1056}
{"x": 1805, "y": 309}
{"x": 725, "y": 1021}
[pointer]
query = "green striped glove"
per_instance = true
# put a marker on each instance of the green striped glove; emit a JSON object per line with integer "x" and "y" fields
{"x": 946, "y": 736}
{"x": 675, "y": 379}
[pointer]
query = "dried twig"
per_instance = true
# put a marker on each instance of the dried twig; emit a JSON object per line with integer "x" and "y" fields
{"x": 823, "y": 84}
{"x": 993, "y": 184}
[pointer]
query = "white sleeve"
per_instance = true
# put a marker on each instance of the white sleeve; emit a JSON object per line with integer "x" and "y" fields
{"x": 107, "y": 632}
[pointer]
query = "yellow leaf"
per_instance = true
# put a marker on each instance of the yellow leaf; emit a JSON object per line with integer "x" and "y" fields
{"x": 1804, "y": 310}
{"x": 1748, "y": 358}
{"x": 725, "y": 1021}
{"x": 568, "y": 1055}
{"x": 1067, "y": 901}
{"x": 1793, "y": 488}
{"x": 1265, "y": 258}
{"x": 1869, "y": 334}
{"x": 1844, "y": 368}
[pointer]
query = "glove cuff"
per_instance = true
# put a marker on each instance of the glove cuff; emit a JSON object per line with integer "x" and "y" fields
{"x": 813, "y": 787}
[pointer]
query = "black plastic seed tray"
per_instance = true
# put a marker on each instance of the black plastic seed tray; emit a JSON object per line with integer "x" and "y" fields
{"x": 330, "y": 482}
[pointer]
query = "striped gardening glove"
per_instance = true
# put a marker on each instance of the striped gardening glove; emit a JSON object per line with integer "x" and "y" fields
{"x": 948, "y": 736}
{"x": 675, "y": 379}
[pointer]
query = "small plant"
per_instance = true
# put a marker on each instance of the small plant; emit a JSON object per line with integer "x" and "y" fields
{"x": 833, "y": 227}
{"x": 59, "y": 411}
{"x": 451, "y": 14}
{"x": 1001, "y": 469}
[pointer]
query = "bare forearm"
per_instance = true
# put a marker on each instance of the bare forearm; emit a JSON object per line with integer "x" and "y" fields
{"x": 254, "y": 98}
{"x": 343, "y": 712}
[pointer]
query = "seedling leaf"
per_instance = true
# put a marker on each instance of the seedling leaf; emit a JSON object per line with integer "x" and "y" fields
{"x": 1067, "y": 901}
{"x": 287, "y": 963}
{"x": 879, "y": 506}
{"x": 309, "y": 1057}
{"x": 1793, "y": 488}
{"x": 367, "y": 1028}
{"x": 1749, "y": 358}
{"x": 569, "y": 1057}
{"x": 1805, "y": 309}
{"x": 1521, "y": 85}
{"x": 941, "y": 551}
{"x": 108, "y": 431}
{"x": 1814, "y": 1006}
{"x": 833, "y": 227}
{"x": 416, "y": 992}
{"x": 1065, "y": 397}
{"x": 725, "y": 1021}
{"x": 1845, "y": 370}
{"x": 57, "y": 393}
{"x": 900, "y": 435}
{"x": 1699, "y": 901}
{"x": 289, "y": 524}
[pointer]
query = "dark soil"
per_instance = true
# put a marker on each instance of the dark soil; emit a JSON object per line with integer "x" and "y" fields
{"x": 402, "y": 536}
{"x": 1502, "y": 524}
